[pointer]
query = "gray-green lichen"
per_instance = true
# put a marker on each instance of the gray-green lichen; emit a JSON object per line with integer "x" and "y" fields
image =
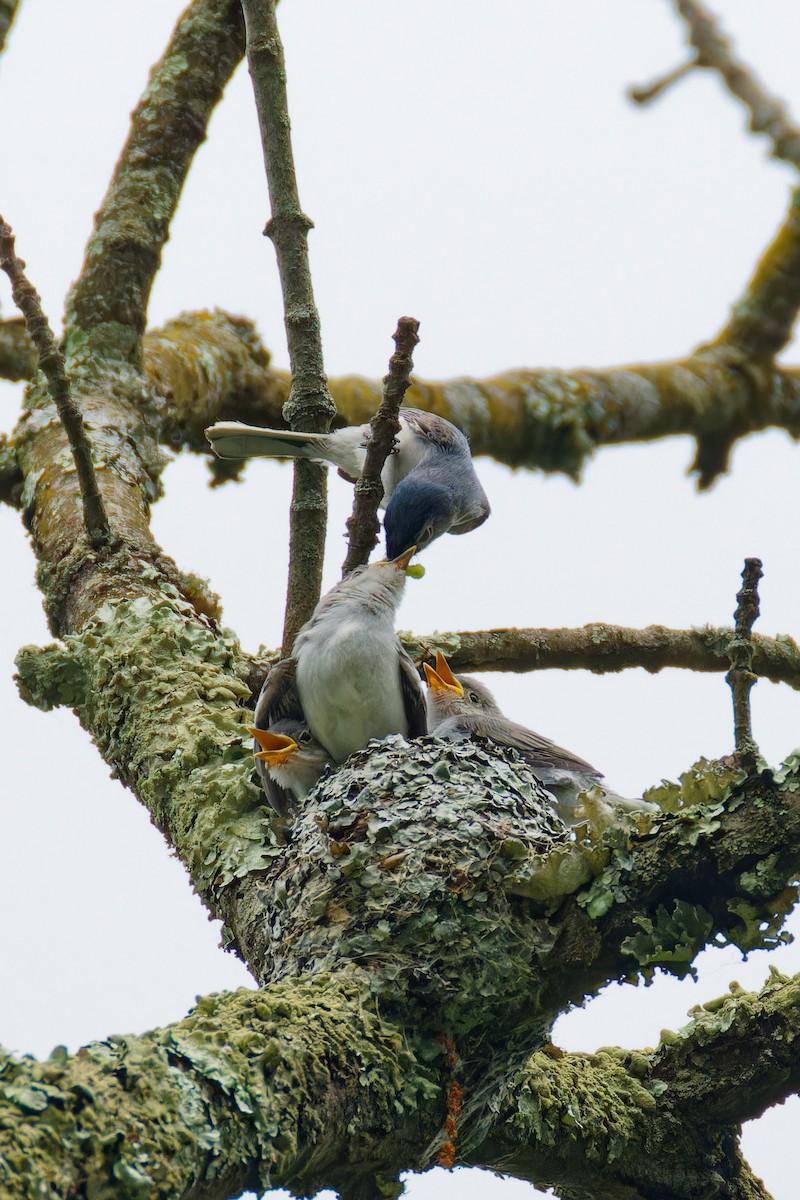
{"x": 434, "y": 867}
{"x": 251, "y": 1089}
{"x": 161, "y": 693}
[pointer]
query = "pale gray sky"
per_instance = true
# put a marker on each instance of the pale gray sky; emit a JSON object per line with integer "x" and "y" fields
{"x": 480, "y": 169}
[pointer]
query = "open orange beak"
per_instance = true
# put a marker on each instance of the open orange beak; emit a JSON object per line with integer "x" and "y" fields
{"x": 442, "y": 679}
{"x": 275, "y": 747}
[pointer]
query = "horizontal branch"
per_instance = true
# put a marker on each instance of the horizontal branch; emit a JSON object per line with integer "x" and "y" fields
{"x": 602, "y": 649}
{"x": 660, "y": 1122}
{"x": 251, "y": 1091}
{"x": 206, "y": 367}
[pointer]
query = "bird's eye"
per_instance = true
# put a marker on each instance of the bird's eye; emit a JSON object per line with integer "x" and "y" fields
{"x": 473, "y": 697}
{"x": 305, "y": 737}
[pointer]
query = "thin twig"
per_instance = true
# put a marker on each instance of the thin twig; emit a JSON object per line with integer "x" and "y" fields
{"x": 645, "y": 93}
{"x": 601, "y": 649}
{"x": 52, "y": 364}
{"x": 767, "y": 114}
{"x": 363, "y": 526}
{"x": 741, "y": 676}
{"x": 310, "y": 406}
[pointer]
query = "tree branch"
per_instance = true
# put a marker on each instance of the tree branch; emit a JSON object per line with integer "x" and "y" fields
{"x": 762, "y": 320}
{"x": 741, "y": 677}
{"x": 363, "y": 526}
{"x": 292, "y": 1086}
{"x": 107, "y": 307}
{"x": 8, "y": 10}
{"x": 52, "y": 364}
{"x": 206, "y": 367}
{"x": 310, "y": 406}
{"x": 602, "y": 649}
{"x": 656, "y": 1122}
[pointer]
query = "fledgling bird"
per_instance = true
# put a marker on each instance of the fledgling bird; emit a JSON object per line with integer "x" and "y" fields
{"x": 289, "y": 761}
{"x": 348, "y": 678}
{"x": 459, "y": 706}
{"x": 429, "y": 483}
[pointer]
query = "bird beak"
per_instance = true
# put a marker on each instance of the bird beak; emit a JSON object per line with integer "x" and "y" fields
{"x": 402, "y": 560}
{"x": 437, "y": 684}
{"x": 446, "y": 675}
{"x": 275, "y": 748}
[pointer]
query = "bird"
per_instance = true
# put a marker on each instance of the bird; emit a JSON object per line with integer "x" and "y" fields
{"x": 429, "y": 482}
{"x": 348, "y": 677}
{"x": 289, "y": 761}
{"x": 459, "y": 706}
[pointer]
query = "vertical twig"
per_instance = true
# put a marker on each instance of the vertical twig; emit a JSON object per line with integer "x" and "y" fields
{"x": 310, "y": 406}
{"x": 740, "y": 678}
{"x": 363, "y": 526}
{"x": 51, "y": 362}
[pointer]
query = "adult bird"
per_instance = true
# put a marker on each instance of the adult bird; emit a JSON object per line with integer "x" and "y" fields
{"x": 289, "y": 760}
{"x": 348, "y": 677}
{"x": 459, "y": 706}
{"x": 429, "y": 483}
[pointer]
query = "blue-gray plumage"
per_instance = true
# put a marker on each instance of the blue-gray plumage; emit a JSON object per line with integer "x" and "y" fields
{"x": 429, "y": 483}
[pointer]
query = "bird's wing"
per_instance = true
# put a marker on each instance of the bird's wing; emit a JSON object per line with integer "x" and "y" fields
{"x": 436, "y": 430}
{"x": 278, "y": 699}
{"x": 537, "y": 748}
{"x": 277, "y": 702}
{"x": 413, "y": 696}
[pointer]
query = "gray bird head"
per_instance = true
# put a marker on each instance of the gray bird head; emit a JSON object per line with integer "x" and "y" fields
{"x": 420, "y": 510}
{"x": 380, "y": 583}
{"x": 450, "y": 695}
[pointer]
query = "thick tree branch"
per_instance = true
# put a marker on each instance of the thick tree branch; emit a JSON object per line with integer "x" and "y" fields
{"x": 310, "y": 406}
{"x": 107, "y": 307}
{"x": 654, "y": 1122}
{"x": 363, "y": 526}
{"x": 545, "y": 419}
{"x": 300, "y": 1087}
{"x": 52, "y": 364}
{"x": 207, "y": 367}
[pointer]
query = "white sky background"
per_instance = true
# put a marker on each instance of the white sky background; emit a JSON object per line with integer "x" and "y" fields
{"x": 479, "y": 168}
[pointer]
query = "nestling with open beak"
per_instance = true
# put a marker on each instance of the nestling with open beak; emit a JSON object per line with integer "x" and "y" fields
{"x": 459, "y": 706}
{"x": 429, "y": 483}
{"x": 348, "y": 677}
{"x": 289, "y": 761}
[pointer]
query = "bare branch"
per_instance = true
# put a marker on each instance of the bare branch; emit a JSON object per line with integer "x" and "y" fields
{"x": 646, "y": 93}
{"x": 52, "y": 364}
{"x": 108, "y": 304}
{"x": 767, "y": 114}
{"x": 310, "y": 406}
{"x": 602, "y": 649}
{"x": 363, "y": 526}
{"x": 762, "y": 320}
{"x": 741, "y": 677}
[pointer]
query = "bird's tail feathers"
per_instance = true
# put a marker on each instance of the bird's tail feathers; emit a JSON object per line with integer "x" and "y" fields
{"x": 232, "y": 439}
